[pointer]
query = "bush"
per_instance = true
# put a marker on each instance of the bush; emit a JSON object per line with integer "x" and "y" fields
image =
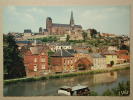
{"x": 123, "y": 89}
{"x": 107, "y": 93}
{"x": 93, "y": 93}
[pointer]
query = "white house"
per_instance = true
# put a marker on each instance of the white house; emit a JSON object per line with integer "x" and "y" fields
{"x": 59, "y": 47}
{"x": 112, "y": 48}
{"x": 99, "y": 61}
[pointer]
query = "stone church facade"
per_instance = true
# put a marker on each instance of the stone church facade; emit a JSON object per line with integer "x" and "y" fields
{"x": 61, "y": 29}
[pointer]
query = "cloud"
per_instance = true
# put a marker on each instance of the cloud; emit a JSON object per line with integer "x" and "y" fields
{"x": 12, "y": 10}
{"x": 93, "y": 16}
{"x": 35, "y": 10}
{"x": 99, "y": 17}
{"x": 22, "y": 15}
{"x": 28, "y": 18}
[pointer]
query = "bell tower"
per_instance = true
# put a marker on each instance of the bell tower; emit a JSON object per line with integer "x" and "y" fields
{"x": 71, "y": 21}
{"x": 49, "y": 25}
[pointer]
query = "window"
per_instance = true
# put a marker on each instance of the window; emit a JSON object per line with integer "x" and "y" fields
{"x": 71, "y": 61}
{"x": 68, "y": 62}
{"x": 43, "y": 60}
{"x": 64, "y": 62}
{"x": 35, "y": 68}
{"x": 35, "y": 59}
{"x": 43, "y": 66}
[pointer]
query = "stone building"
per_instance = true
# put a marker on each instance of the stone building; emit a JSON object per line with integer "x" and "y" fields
{"x": 27, "y": 32}
{"x": 111, "y": 58}
{"x": 99, "y": 61}
{"x": 61, "y": 29}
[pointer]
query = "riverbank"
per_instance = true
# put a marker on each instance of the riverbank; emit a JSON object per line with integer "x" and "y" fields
{"x": 63, "y": 75}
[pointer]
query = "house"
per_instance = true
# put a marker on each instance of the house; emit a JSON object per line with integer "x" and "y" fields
{"x": 59, "y": 47}
{"x": 36, "y": 61}
{"x": 62, "y": 61}
{"x": 99, "y": 61}
{"x": 111, "y": 57}
{"x": 107, "y": 35}
{"x": 27, "y": 33}
{"x": 23, "y": 43}
{"x": 123, "y": 56}
{"x": 63, "y": 38}
{"x": 112, "y": 48}
{"x": 27, "y": 42}
{"x": 83, "y": 61}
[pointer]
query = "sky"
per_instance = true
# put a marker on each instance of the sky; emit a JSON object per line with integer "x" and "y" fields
{"x": 107, "y": 19}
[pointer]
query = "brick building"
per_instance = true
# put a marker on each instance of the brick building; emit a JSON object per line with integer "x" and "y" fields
{"x": 123, "y": 56}
{"x": 62, "y": 61}
{"x": 36, "y": 61}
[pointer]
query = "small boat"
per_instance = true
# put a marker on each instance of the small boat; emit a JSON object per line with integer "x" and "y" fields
{"x": 78, "y": 90}
{"x": 65, "y": 90}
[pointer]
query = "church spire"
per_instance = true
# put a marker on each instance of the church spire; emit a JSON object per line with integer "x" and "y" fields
{"x": 71, "y": 19}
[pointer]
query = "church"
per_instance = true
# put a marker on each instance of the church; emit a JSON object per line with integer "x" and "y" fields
{"x": 61, "y": 29}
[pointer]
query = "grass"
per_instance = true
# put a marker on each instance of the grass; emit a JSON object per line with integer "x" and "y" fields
{"x": 63, "y": 75}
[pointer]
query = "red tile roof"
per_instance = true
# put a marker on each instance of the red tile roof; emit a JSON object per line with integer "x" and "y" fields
{"x": 122, "y": 51}
{"x": 126, "y": 57}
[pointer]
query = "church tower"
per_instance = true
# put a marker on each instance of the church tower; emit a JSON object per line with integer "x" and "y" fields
{"x": 71, "y": 21}
{"x": 49, "y": 25}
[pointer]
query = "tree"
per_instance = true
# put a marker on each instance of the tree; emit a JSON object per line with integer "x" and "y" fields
{"x": 84, "y": 34}
{"x": 48, "y": 39}
{"x": 93, "y": 33}
{"x": 13, "y": 62}
{"x": 124, "y": 47}
{"x": 67, "y": 38}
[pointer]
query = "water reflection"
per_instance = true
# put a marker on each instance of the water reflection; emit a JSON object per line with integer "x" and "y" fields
{"x": 97, "y": 82}
{"x": 105, "y": 78}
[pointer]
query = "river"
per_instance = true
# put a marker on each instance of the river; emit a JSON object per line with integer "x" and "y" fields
{"x": 97, "y": 82}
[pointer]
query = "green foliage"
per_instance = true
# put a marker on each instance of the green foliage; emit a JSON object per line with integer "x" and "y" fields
{"x": 76, "y": 41}
{"x": 123, "y": 89}
{"x": 84, "y": 34}
{"x": 13, "y": 62}
{"x": 93, "y": 33}
{"x": 107, "y": 93}
{"x": 68, "y": 37}
{"x": 48, "y": 39}
{"x": 93, "y": 93}
{"x": 100, "y": 42}
{"x": 50, "y": 53}
{"x": 124, "y": 47}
